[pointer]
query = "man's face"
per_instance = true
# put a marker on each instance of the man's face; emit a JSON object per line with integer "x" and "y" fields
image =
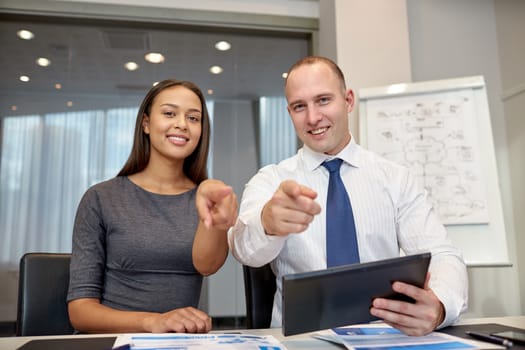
{"x": 319, "y": 107}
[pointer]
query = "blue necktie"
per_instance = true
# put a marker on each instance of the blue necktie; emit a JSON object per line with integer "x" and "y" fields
{"x": 341, "y": 240}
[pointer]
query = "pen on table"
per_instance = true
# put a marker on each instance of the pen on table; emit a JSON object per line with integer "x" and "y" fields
{"x": 490, "y": 338}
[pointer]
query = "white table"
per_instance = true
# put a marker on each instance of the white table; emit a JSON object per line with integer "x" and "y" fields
{"x": 295, "y": 342}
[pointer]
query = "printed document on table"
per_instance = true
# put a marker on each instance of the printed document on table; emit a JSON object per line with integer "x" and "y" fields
{"x": 190, "y": 341}
{"x": 383, "y": 337}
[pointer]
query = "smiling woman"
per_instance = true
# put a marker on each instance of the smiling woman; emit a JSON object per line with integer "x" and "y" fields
{"x": 139, "y": 248}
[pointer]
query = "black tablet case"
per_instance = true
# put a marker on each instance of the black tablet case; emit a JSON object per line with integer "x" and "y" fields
{"x": 341, "y": 296}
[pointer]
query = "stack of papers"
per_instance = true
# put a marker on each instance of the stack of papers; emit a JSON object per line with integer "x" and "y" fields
{"x": 182, "y": 341}
{"x": 383, "y": 337}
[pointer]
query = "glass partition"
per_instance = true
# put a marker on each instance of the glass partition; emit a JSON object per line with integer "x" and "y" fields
{"x": 69, "y": 95}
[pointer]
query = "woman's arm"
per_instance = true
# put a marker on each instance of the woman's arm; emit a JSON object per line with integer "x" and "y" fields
{"x": 217, "y": 206}
{"x": 87, "y": 315}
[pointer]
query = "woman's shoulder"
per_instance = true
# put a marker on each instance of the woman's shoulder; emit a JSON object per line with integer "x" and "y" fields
{"x": 107, "y": 188}
{"x": 111, "y": 184}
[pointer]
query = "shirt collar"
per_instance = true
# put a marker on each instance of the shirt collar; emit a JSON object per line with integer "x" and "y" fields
{"x": 349, "y": 154}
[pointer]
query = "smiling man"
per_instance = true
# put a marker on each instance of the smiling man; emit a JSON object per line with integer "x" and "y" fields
{"x": 285, "y": 216}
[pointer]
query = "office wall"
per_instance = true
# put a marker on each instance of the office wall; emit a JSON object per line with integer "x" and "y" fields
{"x": 448, "y": 38}
{"x": 372, "y": 44}
{"x": 468, "y": 45}
{"x": 510, "y": 29}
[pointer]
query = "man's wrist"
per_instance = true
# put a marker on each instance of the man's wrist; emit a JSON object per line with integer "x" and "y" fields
{"x": 266, "y": 231}
{"x": 441, "y": 315}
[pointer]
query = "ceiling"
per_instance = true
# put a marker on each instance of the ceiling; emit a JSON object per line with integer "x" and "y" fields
{"x": 87, "y": 58}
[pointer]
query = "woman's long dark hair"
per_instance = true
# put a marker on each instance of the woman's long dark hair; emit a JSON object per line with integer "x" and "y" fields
{"x": 195, "y": 164}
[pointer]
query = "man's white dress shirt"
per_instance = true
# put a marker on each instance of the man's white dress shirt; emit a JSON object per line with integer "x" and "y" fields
{"x": 391, "y": 212}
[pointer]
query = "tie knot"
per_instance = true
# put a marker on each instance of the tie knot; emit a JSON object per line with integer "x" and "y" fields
{"x": 333, "y": 165}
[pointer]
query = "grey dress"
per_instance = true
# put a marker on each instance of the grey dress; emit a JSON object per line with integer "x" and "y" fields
{"x": 132, "y": 249}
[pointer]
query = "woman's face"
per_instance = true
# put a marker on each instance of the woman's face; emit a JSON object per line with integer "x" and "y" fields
{"x": 174, "y": 125}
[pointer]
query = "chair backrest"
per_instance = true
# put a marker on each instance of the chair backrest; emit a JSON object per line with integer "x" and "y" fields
{"x": 259, "y": 290}
{"x": 42, "y": 291}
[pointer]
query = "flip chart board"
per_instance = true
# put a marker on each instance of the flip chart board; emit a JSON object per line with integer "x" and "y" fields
{"x": 441, "y": 130}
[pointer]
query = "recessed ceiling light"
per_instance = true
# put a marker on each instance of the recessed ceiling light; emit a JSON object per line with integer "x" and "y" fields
{"x": 223, "y": 45}
{"x": 216, "y": 70}
{"x": 155, "y": 83}
{"x": 154, "y": 57}
{"x": 43, "y": 62}
{"x": 25, "y": 34}
{"x": 24, "y": 78}
{"x": 284, "y": 75}
{"x": 210, "y": 91}
{"x": 58, "y": 86}
{"x": 131, "y": 66}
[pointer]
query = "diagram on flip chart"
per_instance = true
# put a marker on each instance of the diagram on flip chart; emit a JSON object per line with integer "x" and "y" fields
{"x": 436, "y": 137}
{"x": 441, "y": 130}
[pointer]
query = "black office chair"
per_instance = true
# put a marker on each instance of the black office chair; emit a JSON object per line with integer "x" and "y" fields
{"x": 42, "y": 290}
{"x": 259, "y": 290}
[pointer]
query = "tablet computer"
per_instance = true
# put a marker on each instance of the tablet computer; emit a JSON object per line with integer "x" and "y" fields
{"x": 342, "y": 295}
